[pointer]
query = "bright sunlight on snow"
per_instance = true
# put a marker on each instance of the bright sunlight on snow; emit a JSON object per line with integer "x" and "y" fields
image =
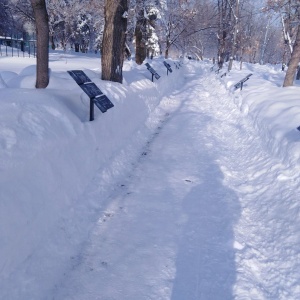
{"x": 186, "y": 189}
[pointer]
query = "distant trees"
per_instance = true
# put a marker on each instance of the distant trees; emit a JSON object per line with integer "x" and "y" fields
{"x": 70, "y": 22}
{"x": 238, "y": 34}
{"x": 6, "y": 19}
{"x": 247, "y": 31}
{"x": 59, "y": 20}
{"x": 178, "y": 25}
{"x": 10, "y": 20}
{"x": 226, "y": 29}
{"x": 223, "y": 28}
{"x": 76, "y": 22}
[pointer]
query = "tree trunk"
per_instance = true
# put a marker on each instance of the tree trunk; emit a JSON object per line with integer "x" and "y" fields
{"x": 114, "y": 40}
{"x": 294, "y": 61}
{"x": 42, "y": 35}
{"x": 168, "y": 45}
{"x": 52, "y": 42}
{"x": 264, "y": 46}
{"x": 167, "y": 53}
{"x": 221, "y": 50}
{"x": 140, "y": 34}
{"x": 234, "y": 42}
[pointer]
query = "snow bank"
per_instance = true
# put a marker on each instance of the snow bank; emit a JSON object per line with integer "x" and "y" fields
{"x": 274, "y": 111}
{"x": 50, "y": 152}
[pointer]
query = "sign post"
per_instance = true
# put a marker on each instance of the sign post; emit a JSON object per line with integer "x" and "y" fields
{"x": 91, "y": 110}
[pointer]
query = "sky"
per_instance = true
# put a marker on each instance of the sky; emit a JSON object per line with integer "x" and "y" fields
{"x": 186, "y": 189}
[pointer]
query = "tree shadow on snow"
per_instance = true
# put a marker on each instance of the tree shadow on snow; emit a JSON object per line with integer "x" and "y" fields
{"x": 205, "y": 264}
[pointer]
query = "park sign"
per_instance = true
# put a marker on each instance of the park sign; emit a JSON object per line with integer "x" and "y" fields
{"x": 95, "y": 94}
{"x": 79, "y": 76}
{"x": 169, "y": 69}
{"x": 240, "y": 84}
{"x": 152, "y": 71}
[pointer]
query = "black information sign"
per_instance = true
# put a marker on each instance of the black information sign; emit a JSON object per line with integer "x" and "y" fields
{"x": 169, "y": 69}
{"x": 95, "y": 94}
{"x": 101, "y": 101}
{"x": 153, "y": 72}
{"x": 79, "y": 76}
{"x": 178, "y": 65}
{"x": 91, "y": 89}
{"x": 241, "y": 83}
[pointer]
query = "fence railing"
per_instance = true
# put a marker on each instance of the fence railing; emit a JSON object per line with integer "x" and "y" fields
{"x": 16, "y": 45}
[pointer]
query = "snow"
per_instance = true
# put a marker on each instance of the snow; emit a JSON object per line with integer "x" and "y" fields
{"x": 185, "y": 189}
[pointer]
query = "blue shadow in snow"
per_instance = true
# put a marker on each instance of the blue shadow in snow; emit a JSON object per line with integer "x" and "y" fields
{"x": 205, "y": 264}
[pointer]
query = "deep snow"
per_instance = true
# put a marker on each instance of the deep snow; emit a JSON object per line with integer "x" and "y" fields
{"x": 186, "y": 189}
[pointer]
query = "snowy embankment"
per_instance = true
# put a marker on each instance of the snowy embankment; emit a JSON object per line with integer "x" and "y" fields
{"x": 267, "y": 182}
{"x": 275, "y": 111}
{"x": 50, "y": 152}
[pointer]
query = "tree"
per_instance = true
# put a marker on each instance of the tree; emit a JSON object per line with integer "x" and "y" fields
{"x": 294, "y": 61}
{"x": 290, "y": 16}
{"x": 224, "y": 16}
{"x": 177, "y": 24}
{"x": 235, "y": 13}
{"x": 114, "y": 37}
{"x": 76, "y": 22}
{"x": 147, "y": 13}
{"x": 182, "y": 25}
{"x": 57, "y": 12}
{"x": 140, "y": 32}
{"x": 42, "y": 35}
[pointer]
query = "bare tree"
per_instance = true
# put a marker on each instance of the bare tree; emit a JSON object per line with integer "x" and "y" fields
{"x": 57, "y": 12}
{"x": 42, "y": 34}
{"x": 183, "y": 25}
{"x": 114, "y": 39}
{"x": 177, "y": 26}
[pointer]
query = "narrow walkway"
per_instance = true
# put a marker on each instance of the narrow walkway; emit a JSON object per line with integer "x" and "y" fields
{"x": 193, "y": 220}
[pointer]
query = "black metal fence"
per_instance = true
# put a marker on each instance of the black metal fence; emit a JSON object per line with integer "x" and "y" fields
{"x": 17, "y": 45}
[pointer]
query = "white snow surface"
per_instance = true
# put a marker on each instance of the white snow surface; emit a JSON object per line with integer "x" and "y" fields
{"x": 186, "y": 189}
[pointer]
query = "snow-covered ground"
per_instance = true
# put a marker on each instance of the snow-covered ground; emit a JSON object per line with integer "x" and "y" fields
{"x": 184, "y": 190}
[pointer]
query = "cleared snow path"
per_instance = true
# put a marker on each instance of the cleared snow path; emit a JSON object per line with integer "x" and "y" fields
{"x": 200, "y": 216}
